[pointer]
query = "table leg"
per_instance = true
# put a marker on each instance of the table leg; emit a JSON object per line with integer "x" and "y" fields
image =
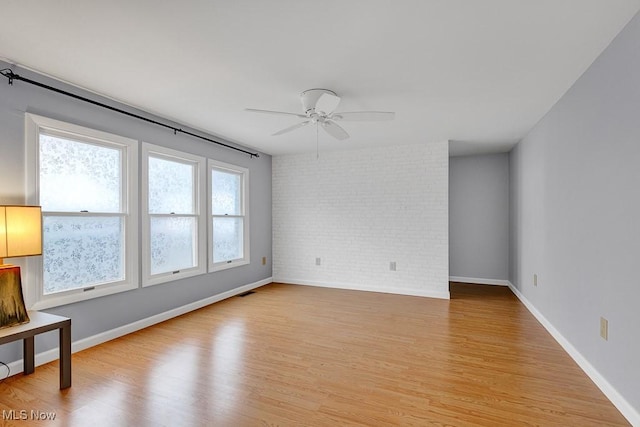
{"x": 65, "y": 356}
{"x": 28, "y": 355}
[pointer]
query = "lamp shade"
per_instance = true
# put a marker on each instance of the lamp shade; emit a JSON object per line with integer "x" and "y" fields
{"x": 20, "y": 231}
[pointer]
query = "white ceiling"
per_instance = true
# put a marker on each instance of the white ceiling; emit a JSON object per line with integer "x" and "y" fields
{"x": 480, "y": 73}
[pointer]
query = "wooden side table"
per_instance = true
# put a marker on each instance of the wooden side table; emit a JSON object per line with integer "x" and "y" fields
{"x": 42, "y": 322}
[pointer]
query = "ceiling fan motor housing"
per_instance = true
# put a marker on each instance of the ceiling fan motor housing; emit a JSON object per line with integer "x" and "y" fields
{"x": 310, "y": 98}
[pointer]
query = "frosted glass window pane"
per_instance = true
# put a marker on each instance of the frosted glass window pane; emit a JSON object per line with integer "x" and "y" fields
{"x": 227, "y": 239}
{"x": 77, "y": 176}
{"x": 172, "y": 244}
{"x": 81, "y": 251}
{"x": 170, "y": 187}
{"x": 226, "y": 193}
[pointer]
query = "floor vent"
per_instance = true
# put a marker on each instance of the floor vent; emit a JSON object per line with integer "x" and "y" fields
{"x": 244, "y": 294}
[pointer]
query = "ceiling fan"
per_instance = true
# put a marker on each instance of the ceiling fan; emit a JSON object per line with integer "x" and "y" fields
{"x": 319, "y": 107}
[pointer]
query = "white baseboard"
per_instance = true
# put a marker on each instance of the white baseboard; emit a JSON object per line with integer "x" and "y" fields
{"x": 479, "y": 281}
{"x": 628, "y": 411}
{"x": 51, "y": 355}
{"x": 400, "y": 291}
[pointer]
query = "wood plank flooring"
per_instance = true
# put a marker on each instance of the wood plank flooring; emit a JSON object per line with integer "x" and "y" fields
{"x": 296, "y": 356}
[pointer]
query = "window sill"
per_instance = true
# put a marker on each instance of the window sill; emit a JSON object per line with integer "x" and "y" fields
{"x": 78, "y": 295}
{"x": 228, "y": 265}
{"x": 159, "y": 279}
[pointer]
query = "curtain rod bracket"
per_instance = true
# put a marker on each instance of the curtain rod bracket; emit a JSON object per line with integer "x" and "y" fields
{"x": 8, "y": 74}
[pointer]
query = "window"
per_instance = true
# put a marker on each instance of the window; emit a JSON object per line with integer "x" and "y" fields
{"x": 85, "y": 181}
{"x": 174, "y": 215}
{"x": 229, "y": 234}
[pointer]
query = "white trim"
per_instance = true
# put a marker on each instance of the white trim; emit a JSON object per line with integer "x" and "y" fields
{"x": 230, "y": 264}
{"x": 200, "y": 212}
{"x": 70, "y": 130}
{"x": 244, "y": 173}
{"x": 628, "y": 411}
{"x": 34, "y": 124}
{"x": 478, "y": 281}
{"x": 85, "y": 343}
{"x": 356, "y": 287}
{"x": 78, "y": 294}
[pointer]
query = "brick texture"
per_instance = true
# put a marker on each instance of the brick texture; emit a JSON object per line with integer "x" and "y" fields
{"x": 360, "y": 210}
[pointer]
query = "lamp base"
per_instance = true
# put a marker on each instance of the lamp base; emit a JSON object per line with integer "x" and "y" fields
{"x": 12, "y": 308}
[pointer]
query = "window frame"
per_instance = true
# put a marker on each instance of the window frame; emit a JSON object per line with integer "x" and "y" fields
{"x": 199, "y": 193}
{"x": 34, "y": 289}
{"x": 244, "y": 174}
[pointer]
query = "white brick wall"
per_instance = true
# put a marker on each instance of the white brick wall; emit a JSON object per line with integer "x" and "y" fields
{"x": 360, "y": 210}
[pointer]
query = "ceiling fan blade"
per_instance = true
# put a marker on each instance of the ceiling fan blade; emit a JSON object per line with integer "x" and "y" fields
{"x": 254, "y": 110}
{"x": 327, "y": 103}
{"x": 290, "y": 128}
{"x": 334, "y": 130}
{"x": 364, "y": 116}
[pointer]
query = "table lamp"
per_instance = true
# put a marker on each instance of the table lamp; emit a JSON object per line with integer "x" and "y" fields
{"x": 20, "y": 235}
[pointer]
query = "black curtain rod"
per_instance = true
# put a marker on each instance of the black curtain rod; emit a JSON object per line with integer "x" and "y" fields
{"x": 9, "y": 74}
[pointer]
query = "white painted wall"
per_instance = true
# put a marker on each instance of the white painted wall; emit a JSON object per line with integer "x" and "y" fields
{"x": 479, "y": 218}
{"x": 575, "y": 213}
{"x": 360, "y": 210}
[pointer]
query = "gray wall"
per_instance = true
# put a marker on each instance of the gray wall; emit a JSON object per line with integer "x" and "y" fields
{"x": 102, "y": 314}
{"x": 479, "y": 216}
{"x": 575, "y": 210}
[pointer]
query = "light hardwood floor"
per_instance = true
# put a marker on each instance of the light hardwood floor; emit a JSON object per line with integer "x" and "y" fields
{"x": 298, "y": 355}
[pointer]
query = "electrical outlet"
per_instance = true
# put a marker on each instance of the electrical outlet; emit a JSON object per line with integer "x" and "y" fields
{"x": 264, "y": 260}
{"x": 318, "y": 261}
{"x": 392, "y": 266}
{"x": 535, "y": 280}
{"x": 604, "y": 328}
